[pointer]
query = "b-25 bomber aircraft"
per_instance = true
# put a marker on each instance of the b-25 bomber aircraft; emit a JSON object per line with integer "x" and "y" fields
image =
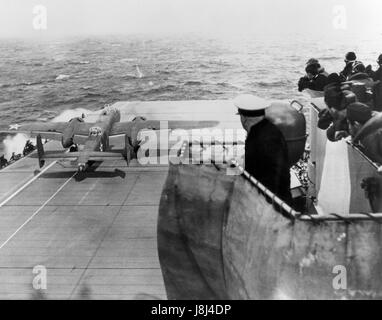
{"x": 94, "y": 136}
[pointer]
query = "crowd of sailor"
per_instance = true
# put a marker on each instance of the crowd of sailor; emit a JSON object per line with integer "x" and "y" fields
{"x": 353, "y": 99}
{"x": 28, "y": 148}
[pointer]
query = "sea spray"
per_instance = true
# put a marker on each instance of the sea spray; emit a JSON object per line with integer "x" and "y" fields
{"x": 15, "y": 144}
{"x": 139, "y": 72}
{"x": 62, "y": 77}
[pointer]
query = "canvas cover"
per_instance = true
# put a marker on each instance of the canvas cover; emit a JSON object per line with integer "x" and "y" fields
{"x": 219, "y": 238}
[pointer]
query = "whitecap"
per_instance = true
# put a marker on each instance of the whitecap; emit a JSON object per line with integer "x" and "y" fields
{"x": 63, "y": 77}
{"x": 139, "y": 73}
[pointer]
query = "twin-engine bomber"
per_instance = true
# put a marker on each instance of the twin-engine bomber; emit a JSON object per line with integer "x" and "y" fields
{"x": 94, "y": 136}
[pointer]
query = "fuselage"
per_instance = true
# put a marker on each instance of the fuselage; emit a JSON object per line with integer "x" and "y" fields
{"x": 98, "y": 138}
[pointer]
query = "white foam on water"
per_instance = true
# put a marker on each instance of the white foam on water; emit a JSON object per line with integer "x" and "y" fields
{"x": 63, "y": 77}
{"x": 139, "y": 72}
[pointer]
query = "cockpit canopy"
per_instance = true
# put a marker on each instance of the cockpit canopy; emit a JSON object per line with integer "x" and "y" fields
{"x": 95, "y": 131}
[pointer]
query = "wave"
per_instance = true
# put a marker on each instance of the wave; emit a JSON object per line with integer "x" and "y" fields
{"x": 79, "y": 62}
{"x": 330, "y": 58}
{"x": 128, "y": 60}
{"x": 130, "y": 76}
{"x": 271, "y": 84}
{"x": 193, "y": 83}
{"x": 164, "y": 72}
{"x": 163, "y": 89}
{"x": 21, "y": 84}
{"x": 30, "y": 83}
{"x": 226, "y": 85}
{"x": 93, "y": 95}
{"x": 139, "y": 72}
{"x": 35, "y": 64}
{"x": 61, "y": 77}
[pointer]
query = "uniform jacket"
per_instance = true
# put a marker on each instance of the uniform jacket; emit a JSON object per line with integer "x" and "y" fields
{"x": 266, "y": 158}
{"x": 317, "y": 83}
{"x": 377, "y": 91}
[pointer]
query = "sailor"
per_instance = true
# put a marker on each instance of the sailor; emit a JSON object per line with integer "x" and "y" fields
{"x": 266, "y": 151}
{"x": 357, "y": 115}
{"x": 13, "y": 157}
{"x": 377, "y": 90}
{"x": 366, "y": 130}
{"x": 351, "y": 66}
{"x": 337, "y": 97}
{"x": 28, "y": 147}
{"x": 314, "y": 79}
{"x": 3, "y": 161}
{"x": 315, "y": 61}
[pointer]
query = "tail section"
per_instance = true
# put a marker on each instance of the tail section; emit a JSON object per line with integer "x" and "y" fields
{"x": 40, "y": 151}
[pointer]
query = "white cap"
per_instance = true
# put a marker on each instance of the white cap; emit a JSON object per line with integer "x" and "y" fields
{"x": 250, "y": 102}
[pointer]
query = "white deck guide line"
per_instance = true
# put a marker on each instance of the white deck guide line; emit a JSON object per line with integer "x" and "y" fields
{"x": 27, "y": 184}
{"x": 39, "y": 209}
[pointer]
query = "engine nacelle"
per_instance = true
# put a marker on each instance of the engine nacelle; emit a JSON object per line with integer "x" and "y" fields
{"x": 67, "y": 139}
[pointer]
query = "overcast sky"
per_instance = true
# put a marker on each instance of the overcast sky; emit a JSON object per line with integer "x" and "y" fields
{"x": 77, "y": 17}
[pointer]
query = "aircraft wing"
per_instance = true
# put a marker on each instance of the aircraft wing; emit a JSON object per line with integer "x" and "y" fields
{"x": 120, "y": 128}
{"x": 48, "y": 130}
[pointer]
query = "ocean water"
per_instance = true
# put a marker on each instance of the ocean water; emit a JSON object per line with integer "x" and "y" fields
{"x": 43, "y": 78}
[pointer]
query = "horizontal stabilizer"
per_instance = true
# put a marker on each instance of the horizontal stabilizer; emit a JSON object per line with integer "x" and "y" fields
{"x": 92, "y": 156}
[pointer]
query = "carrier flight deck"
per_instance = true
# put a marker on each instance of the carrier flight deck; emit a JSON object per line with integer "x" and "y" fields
{"x": 96, "y": 235}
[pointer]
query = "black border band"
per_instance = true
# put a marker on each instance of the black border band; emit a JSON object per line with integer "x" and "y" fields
{"x": 252, "y": 113}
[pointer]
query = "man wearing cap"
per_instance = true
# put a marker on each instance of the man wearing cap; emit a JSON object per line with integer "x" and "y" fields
{"x": 315, "y": 61}
{"x": 366, "y": 129}
{"x": 314, "y": 79}
{"x": 266, "y": 151}
{"x": 351, "y": 66}
{"x": 337, "y": 98}
{"x": 357, "y": 114}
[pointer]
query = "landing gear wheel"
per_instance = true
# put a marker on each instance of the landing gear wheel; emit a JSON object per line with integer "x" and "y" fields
{"x": 73, "y": 148}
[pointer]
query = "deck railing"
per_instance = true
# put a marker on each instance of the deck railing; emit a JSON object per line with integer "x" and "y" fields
{"x": 288, "y": 211}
